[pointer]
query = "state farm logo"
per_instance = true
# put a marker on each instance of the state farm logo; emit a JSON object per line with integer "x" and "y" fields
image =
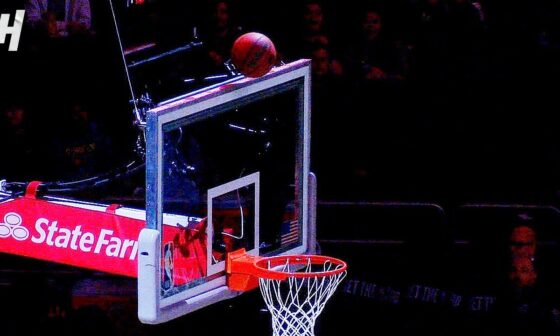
{"x": 11, "y": 227}
{"x": 50, "y": 233}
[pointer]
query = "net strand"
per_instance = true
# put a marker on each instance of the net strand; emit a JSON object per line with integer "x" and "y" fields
{"x": 296, "y": 303}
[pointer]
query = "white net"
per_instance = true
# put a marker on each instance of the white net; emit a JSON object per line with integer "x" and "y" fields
{"x": 295, "y": 303}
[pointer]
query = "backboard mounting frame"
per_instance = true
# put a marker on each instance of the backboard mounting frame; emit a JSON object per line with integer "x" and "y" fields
{"x": 152, "y": 307}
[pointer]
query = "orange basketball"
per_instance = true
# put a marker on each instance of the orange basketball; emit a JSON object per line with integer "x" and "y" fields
{"x": 253, "y": 54}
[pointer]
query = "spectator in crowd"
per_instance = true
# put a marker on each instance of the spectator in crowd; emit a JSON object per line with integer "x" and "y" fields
{"x": 322, "y": 64}
{"x": 328, "y": 81}
{"x": 373, "y": 56}
{"x": 526, "y": 305}
{"x": 16, "y": 142}
{"x": 83, "y": 149}
{"x": 327, "y": 85}
{"x": 59, "y": 18}
{"x": 467, "y": 25}
{"x": 221, "y": 34}
{"x": 314, "y": 29}
{"x": 312, "y": 33}
{"x": 449, "y": 40}
{"x": 431, "y": 42}
{"x": 523, "y": 247}
{"x": 14, "y": 120}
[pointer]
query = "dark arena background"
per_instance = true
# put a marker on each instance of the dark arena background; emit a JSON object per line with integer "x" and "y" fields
{"x": 434, "y": 142}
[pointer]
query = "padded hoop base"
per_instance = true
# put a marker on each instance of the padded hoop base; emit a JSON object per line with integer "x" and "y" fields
{"x": 240, "y": 269}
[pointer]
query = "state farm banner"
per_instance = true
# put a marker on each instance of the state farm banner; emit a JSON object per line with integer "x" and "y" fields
{"x": 74, "y": 236}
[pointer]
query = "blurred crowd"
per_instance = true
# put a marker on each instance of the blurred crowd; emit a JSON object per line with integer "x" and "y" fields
{"x": 412, "y": 99}
{"x": 447, "y": 101}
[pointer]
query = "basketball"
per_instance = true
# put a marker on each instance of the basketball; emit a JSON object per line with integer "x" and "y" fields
{"x": 253, "y": 54}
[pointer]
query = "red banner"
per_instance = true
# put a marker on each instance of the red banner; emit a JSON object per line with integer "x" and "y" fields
{"x": 80, "y": 237}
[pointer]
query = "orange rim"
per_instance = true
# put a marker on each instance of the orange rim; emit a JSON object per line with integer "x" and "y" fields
{"x": 264, "y": 264}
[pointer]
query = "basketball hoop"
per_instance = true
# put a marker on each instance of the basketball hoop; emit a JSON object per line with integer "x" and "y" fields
{"x": 295, "y": 288}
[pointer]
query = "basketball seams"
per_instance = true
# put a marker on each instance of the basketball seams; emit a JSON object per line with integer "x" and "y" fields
{"x": 253, "y": 54}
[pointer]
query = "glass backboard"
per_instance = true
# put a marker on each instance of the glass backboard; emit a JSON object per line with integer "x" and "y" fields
{"x": 234, "y": 160}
